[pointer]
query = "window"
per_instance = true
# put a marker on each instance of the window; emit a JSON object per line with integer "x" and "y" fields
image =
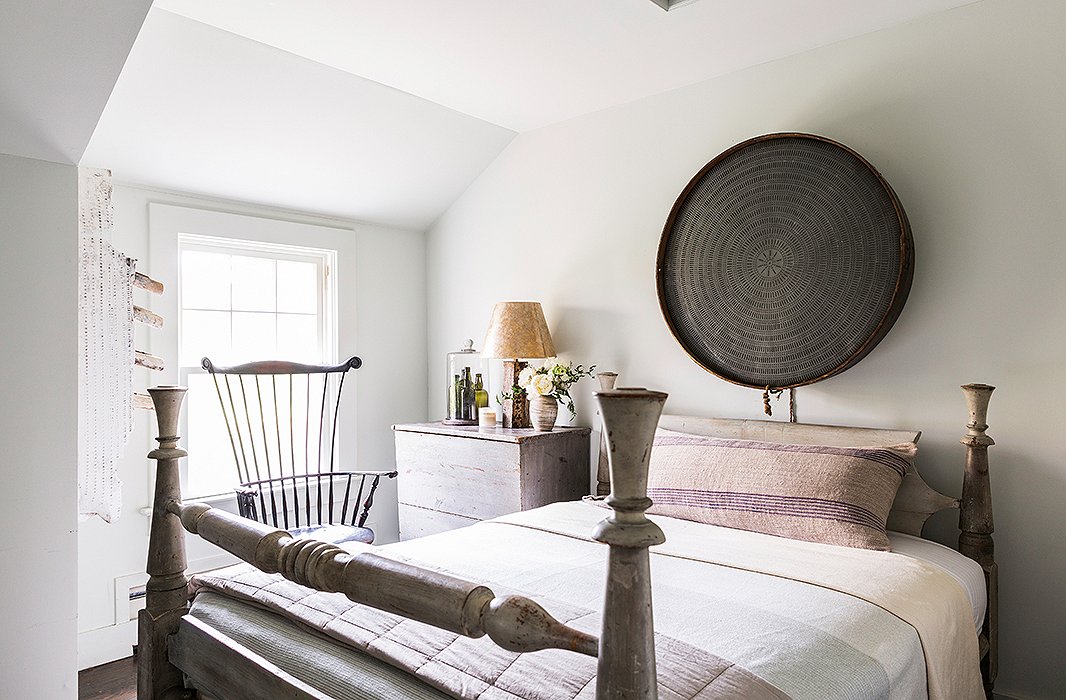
{"x": 241, "y": 301}
{"x": 234, "y": 293}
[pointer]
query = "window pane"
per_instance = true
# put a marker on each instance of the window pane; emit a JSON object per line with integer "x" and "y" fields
{"x": 254, "y": 337}
{"x": 297, "y": 287}
{"x": 205, "y": 280}
{"x": 254, "y": 284}
{"x": 205, "y": 334}
{"x": 212, "y": 469}
{"x": 298, "y": 338}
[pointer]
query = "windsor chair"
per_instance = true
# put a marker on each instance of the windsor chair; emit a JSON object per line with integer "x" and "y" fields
{"x": 281, "y": 418}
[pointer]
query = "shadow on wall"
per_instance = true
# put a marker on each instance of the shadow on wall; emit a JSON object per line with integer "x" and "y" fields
{"x": 572, "y": 328}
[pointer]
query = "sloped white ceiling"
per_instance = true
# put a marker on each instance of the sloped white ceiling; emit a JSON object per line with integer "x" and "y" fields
{"x": 386, "y": 111}
{"x": 58, "y": 63}
{"x": 527, "y": 63}
{"x": 201, "y": 110}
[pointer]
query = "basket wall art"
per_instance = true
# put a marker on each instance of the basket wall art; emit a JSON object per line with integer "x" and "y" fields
{"x": 784, "y": 261}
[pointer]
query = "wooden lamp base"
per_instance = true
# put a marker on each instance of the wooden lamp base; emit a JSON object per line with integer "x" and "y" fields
{"x": 516, "y": 408}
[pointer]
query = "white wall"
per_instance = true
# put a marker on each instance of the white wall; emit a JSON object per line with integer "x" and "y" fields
{"x": 962, "y": 113}
{"x": 382, "y": 319}
{"x": 38, "y": 428}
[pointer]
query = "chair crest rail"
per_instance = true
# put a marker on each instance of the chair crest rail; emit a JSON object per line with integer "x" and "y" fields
{"x": 281, "y": 367}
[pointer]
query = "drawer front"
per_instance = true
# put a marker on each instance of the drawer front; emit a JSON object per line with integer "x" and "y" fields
{"x": 419, "y": 522}
{"x": 473, "y": 478}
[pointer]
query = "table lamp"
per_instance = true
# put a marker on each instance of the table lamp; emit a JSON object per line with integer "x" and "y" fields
{"x": 517, "y": 332}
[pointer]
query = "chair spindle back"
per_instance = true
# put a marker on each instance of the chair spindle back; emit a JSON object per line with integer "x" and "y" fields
{"x": 281, "y": 418}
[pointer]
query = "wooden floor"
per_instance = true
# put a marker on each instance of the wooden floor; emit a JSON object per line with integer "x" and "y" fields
{"x": 114, "y": 681}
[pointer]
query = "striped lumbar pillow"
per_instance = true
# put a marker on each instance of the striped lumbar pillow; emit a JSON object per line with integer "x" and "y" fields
{"x": 833, "y": 495}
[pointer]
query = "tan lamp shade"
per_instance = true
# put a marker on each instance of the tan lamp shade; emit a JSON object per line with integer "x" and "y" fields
{"x": 518, "y": 331}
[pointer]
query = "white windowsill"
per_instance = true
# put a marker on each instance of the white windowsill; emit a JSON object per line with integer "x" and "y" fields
{"x": 213, "y": 501}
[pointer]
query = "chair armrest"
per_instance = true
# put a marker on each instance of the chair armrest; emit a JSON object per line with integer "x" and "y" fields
{"x": 246, "y": 496}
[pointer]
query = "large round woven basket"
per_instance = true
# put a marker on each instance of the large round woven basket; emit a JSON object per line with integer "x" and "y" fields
{"x": 784, "y": 261}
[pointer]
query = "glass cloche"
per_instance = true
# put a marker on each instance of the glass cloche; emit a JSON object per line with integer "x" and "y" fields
{"x": 467, "y": 389}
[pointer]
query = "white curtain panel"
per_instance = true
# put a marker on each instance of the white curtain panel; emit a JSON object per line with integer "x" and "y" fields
{"x": 105, "y": 332}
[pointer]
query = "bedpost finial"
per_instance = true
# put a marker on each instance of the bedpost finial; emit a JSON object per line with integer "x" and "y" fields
{"x": 630, "y": 417}
{"x": 167, "y": 401}
{"x": 519, "y": 624}
{"x": 977, "y": 398}
{"x": 606, "y": 380}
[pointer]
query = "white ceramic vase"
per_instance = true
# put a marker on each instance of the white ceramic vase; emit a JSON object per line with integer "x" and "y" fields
{"x": 543, "y": 411}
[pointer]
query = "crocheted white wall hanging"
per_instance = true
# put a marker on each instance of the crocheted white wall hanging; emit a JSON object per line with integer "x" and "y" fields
{"x": 105, "y": 339}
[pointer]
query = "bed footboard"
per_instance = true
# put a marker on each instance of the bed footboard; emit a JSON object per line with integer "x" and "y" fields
{"x": 515, "y": 623}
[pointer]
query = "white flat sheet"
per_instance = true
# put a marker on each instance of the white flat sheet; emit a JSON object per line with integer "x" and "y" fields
{"x": 961, "y": 568}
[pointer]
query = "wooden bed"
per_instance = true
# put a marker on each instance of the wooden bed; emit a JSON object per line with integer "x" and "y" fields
{"x": 182, "y": 657}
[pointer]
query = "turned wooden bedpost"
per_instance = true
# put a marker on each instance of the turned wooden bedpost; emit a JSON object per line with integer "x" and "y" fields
{"x": 975, "y": 518}
{"x": 626, "y": 668}
{"x": 165, "y": 599}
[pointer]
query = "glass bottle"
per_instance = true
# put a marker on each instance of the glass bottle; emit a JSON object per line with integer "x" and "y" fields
{"x": 481, "y": 397}
{"x": 453, "y": 398}
{"x": 469, "y": 410}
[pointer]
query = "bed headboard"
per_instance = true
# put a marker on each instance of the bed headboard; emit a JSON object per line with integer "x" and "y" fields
{"x": 915, "y": 500}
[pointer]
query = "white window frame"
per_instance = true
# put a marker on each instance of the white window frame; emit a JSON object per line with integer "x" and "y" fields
{"x": 325, "y": 261}
{"x": 169, "y": 224}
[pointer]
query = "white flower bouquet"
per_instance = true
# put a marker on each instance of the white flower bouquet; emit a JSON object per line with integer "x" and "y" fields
{"x": 553, "y": 379}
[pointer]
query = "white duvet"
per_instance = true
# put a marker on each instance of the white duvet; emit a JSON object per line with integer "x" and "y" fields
{"x": 813, "y": 621}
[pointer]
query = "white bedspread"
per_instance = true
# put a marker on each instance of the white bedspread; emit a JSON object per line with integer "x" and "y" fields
{"x": 924, "y": 596}
{"x": 814, "y": 621}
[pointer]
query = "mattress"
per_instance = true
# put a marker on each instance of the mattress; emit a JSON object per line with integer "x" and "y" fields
{"x": 322, "y": 663}
{"x": 968, "y": 573}
{"x": 845, "y": 633}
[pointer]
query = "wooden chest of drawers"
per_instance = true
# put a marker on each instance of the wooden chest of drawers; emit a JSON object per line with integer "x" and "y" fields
{"x": 452, "y": 476}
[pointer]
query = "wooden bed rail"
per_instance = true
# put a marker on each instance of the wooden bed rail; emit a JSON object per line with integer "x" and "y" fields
{"x": 513, "y": 622}
{"x": 626, "y": 650}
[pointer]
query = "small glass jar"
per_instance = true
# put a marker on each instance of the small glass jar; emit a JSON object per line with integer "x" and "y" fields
{"x": 464, "y": 368}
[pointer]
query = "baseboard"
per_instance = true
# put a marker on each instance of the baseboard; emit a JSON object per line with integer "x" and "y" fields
{"x": 1004, "y": 696}
{"x": 106, "y": 644}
